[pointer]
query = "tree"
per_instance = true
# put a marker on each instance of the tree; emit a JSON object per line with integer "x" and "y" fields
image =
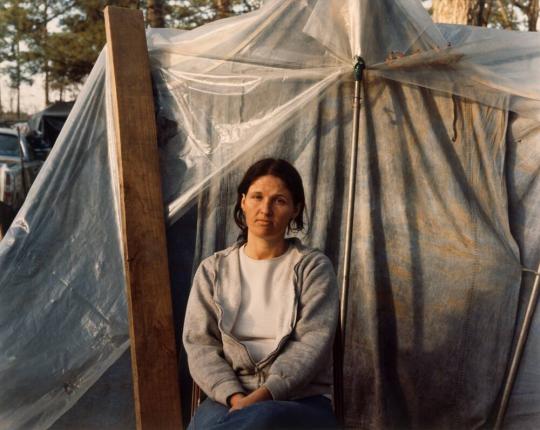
{"x": 156, "y": 13}
{"x": 452, "y": 11}
{"x": 507, "y": 14}
{"x": 72, "y": 52}
{"x": 14, "y": 56}
{"x": 29, "y": 29}
{"x": 223, "y": 8}
{"x": 532, "y": 12}
{"x": 41, "y": 13}
{"x": 188, "y": 15}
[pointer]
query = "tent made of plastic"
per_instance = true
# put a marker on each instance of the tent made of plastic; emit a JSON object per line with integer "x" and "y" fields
{"x": 446, "y": 221}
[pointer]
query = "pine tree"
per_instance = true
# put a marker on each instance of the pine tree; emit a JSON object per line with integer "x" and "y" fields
{"x": 14, "y": 55}
{"x": 72, "y": 52}
{"x": 193, "y": 13}
{"x": 41, "y": 13}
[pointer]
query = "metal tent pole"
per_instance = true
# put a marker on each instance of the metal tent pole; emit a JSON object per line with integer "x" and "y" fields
{"x": 339, "y": 342}
{"x": 358, "y": 75}
{"x": 518, "y": 352}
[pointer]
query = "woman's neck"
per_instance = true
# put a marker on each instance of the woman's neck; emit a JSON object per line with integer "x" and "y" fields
{"x": 261, "y": 249}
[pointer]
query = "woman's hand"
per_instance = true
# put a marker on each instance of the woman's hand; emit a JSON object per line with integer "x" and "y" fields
{"x": 235, "y": 400}
{"x": 240, "y": 400}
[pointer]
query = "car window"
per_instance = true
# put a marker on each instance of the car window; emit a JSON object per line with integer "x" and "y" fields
{"x": 9, "y": 145}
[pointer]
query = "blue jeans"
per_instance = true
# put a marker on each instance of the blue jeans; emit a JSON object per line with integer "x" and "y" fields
{"x": 309, "y": 413}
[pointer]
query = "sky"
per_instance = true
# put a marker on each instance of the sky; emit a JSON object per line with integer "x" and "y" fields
{"x": 32, "y": 97}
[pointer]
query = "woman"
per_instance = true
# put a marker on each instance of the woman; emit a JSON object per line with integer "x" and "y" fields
{"x": 262, "y": 314}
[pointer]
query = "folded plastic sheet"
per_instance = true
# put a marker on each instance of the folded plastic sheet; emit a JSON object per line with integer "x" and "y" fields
{"x": 436, "y": 258}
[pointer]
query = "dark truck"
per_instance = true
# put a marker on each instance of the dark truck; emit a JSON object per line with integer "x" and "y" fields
{"x": 18, "y": 169}
{"x": 45, "y": 126}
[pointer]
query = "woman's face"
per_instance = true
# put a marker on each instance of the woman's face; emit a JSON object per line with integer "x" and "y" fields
{"x": 268, "y": 208}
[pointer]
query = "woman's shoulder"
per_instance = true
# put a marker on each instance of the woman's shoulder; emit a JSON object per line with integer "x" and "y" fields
{"x": 316, "y": 271}
{"x": 310, "y": 256}
{"x": 209, "y": 263}
{"x": 307, "y": 251}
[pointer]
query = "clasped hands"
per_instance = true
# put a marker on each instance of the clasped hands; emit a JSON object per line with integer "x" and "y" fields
{"x": 240, "y": 400}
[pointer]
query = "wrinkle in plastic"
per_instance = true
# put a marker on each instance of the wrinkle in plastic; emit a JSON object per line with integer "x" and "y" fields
{"x": 431, "y": 228}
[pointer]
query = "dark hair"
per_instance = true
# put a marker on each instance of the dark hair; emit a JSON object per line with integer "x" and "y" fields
{"x": 280, "y": 169}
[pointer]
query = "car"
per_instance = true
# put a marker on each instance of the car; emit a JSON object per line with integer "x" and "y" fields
{"x": 18, "y": 168}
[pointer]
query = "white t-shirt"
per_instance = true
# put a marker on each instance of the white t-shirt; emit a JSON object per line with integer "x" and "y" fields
{"x": 262, "y": 283}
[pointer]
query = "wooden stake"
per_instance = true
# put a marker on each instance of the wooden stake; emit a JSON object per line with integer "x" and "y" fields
{"x": 153, "y": 347}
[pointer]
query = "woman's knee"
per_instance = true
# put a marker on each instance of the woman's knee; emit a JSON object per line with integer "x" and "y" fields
{"x": 208, "y": 414}
{"x": 274, "y": 414}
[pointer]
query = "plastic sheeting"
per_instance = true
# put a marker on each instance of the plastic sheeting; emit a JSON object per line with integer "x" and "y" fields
{"x": 523, "y": 179}
{"x": 63, "y": 315}
{"x": 444, "y": 205}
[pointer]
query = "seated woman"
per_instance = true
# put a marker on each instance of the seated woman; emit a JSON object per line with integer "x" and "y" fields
{"x": 262, "y": 314}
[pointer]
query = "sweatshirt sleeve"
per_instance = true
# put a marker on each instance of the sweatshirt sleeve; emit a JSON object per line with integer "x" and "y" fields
{"x": 309, "y": 347}
{"x": 202, "y": 339}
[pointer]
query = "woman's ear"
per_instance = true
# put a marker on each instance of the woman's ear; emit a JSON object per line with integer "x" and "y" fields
{"x": 243, "y": 203}
{"x": 296, "y": 211}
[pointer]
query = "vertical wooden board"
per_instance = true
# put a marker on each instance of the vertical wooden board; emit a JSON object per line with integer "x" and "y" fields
{"x": 153, "y": 348}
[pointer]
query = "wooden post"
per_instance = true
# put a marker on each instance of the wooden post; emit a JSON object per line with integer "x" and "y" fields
{"x": 153, "y": 348}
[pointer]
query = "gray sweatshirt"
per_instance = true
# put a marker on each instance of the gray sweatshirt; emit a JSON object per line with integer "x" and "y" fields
{"x": 301, "y": 364}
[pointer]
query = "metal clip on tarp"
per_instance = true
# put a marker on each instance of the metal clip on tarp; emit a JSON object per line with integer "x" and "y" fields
{"x": 359, "y": 68}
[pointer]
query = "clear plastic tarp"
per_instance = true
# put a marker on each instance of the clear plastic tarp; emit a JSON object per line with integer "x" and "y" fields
{"x": 446, "y": 205}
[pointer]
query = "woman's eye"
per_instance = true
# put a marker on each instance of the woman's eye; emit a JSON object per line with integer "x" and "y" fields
{"x": 256, "y": 197}
{"x": 281, "y": 201}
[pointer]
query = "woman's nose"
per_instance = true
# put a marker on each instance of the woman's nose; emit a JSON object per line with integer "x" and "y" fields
{"x": 266, "y": 206}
